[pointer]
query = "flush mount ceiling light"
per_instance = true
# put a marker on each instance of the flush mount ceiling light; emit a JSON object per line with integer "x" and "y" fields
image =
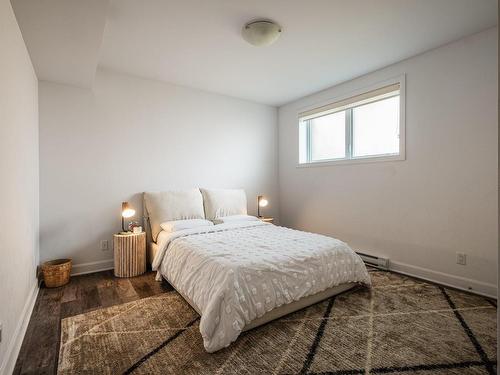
{"x": 261, "y": 32}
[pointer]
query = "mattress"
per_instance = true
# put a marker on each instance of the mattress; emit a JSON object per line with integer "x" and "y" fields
{"x": 237, "y": 275}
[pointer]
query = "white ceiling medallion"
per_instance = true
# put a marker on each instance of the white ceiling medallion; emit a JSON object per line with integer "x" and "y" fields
{"x": 261, "y": 32}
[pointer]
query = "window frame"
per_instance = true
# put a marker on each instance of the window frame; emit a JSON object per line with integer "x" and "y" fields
{"x": 349, "y": 159}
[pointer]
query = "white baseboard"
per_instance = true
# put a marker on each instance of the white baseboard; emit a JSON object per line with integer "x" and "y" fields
{"x": 101, "y": 265}
{"x": 463, "y": 283}
{"x": 14, "y": 346}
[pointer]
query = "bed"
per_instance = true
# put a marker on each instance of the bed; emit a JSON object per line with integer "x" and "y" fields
{"x": 242, "y": 273}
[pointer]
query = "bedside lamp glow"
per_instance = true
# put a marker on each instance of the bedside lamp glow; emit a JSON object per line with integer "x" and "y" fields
{"x": 127, "y": 211}
{"x": 261, "y": 202}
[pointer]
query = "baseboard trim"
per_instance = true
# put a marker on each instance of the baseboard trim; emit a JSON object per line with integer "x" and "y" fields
{"x": 458, "y": 282}
{"x": 84, "y": 268}
{"x": 9, "y": 363}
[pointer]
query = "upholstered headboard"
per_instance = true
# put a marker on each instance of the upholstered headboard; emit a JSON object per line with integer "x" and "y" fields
{"x": 159, "y": 207}
{"x": 224, "y": 202}
{"x": 172, "y": 205}
{"x": 147, "y": 228}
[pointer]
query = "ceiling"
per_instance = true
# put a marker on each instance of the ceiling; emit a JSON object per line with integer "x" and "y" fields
{"x": 63, "y": 37}
{"x": 197, "y": 43}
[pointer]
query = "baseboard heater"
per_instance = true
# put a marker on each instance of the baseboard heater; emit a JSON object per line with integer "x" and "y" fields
{"x": 374, "y": 261}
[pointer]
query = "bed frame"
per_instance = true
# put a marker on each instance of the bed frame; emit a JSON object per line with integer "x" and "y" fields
{"x": 270, "y": 315}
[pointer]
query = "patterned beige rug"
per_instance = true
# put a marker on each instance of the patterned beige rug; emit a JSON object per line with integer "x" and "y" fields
{"x": 400, "y": 326}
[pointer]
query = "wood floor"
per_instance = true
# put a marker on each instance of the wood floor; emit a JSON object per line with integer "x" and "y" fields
{"x": 40, "y": 349}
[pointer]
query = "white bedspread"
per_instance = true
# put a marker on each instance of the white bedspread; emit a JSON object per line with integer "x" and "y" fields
{"x": 237, "y": 272}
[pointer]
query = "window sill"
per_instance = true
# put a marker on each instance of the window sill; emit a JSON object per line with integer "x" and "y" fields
{"x": 371, "y": 159}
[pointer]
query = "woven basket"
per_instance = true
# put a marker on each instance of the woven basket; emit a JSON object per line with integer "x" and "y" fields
{"x": 56, "y": 272}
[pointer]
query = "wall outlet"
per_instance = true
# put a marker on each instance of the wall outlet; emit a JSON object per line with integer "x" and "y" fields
{"x": 461, "y": 259}
{"x": 104, "y": 245}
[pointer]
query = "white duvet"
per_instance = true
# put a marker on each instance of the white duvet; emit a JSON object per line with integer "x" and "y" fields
{"x": 235, "y": 273}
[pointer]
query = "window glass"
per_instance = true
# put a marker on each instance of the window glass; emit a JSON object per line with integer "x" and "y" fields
{"x": 375, "y": 128}
{"x": 328, "y": 137}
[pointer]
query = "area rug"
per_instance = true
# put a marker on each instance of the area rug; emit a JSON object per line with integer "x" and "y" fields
{"x": 402, "y": 325}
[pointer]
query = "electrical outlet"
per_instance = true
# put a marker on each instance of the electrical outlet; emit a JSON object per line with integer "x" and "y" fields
{"x": 461, "y": 259}
{"x": 104, "y": 245}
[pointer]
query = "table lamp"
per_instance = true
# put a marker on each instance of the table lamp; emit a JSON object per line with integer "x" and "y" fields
{"x": 261, "y": 202}
{"x": 127, "y": 211}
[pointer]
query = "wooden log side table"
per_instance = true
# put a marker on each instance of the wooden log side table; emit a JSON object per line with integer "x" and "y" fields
{"x": 130, "y": 254}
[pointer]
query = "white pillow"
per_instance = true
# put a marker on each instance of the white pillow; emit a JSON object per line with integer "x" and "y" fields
{"x": 224, "y": 202}
{"x": 235, "y": 219}
{"x": 172, "y": 205}
{"x": 176, "y": 225}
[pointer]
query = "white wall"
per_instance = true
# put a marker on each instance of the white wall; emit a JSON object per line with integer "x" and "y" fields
{"x": 129, "y": 135}
{"x": 18, "y": 186}
{"x": 441, "y": 199}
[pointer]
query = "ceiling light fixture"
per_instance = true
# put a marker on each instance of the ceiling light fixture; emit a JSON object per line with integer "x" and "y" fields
{"x": 261, "y": 32}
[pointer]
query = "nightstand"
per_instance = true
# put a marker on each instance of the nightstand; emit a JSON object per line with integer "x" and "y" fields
{"x": 266, "y": 219}
{"x": 130, "y": 254}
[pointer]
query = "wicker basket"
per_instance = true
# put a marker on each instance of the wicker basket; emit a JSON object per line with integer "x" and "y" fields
{"x": 56, "y": 272}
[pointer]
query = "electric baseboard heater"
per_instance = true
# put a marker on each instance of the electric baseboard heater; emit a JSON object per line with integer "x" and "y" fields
{"x": 374, "y": 261}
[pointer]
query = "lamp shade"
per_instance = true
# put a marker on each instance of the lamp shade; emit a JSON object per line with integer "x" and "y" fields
{"x": 263, "y": 202}
{"x": 127, "y": 210}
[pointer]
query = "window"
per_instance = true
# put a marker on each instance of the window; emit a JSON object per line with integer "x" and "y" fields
{"x": 365, "y": 126}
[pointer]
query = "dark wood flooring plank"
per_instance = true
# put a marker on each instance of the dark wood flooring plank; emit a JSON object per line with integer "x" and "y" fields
{"x": 30, "y": 331}
{"x": 125, "y": 290}
{"x": 90, "y": 296}
{"x": 72, "y": 308}
{"x": 107, "y": 290}
{"x": 142, "y": 286}
{"x": 72, "y": 302}
{"x": 45, "y": 332}
{"x": 70, "y": 292}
